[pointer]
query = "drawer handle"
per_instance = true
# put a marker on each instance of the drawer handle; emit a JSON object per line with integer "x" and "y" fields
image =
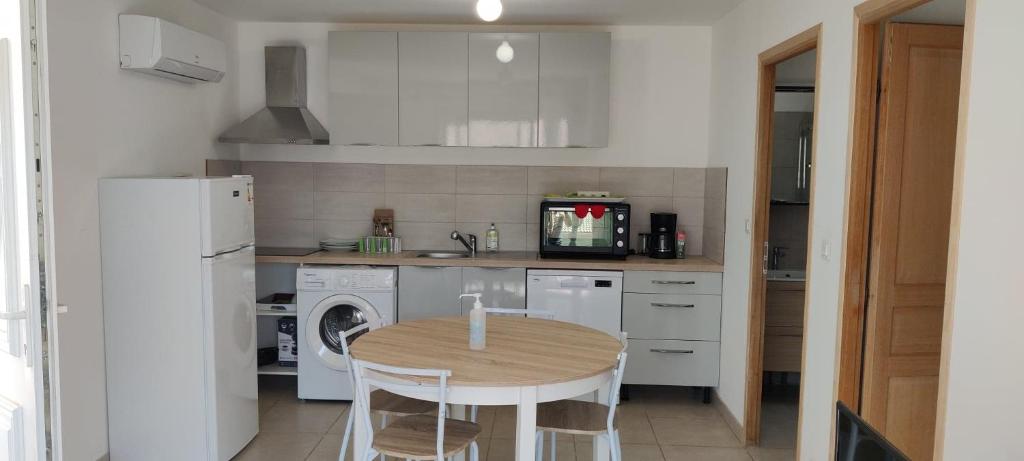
{"x": 673, "y": 351}
{"x": 673, "y": 282}
{"x": 681, "y": 306}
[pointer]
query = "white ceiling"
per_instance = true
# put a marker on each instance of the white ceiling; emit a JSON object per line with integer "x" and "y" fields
{"x": 461, "y": 11}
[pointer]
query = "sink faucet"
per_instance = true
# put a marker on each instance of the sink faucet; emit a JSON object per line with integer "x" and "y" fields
{"x": 777, "y": 253}
{"x": 470, "y": 245}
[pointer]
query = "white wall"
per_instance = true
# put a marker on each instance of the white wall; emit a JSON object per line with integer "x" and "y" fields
{"x": 660, "y": 81}
{"x": 108, "y": 122}
{"x": 753, "y": 27}
{"x": 986, "y": 372}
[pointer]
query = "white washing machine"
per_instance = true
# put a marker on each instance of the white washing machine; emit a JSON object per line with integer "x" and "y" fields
{"x": 331, "y": 300}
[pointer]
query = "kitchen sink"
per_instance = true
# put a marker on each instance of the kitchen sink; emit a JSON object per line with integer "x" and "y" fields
{"x": 786, "y": 275}
{"x": 443, "y": 255}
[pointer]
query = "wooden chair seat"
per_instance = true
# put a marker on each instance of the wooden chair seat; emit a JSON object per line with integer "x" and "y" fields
{"x": 573, "y": 417}
{"x": 415, "y": 437}
{"x": 390, "y": 404}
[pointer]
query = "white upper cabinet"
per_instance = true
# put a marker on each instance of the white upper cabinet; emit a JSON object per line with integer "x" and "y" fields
{"x": 433, "y": 102}
{"x": 574, "y": 87}
{"x": 503, "y": 95}
{"x": 363, "y": 88}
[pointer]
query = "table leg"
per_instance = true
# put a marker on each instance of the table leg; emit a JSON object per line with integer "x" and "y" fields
{"x": 601, "y": 448}
{"x": 526, "y": 424}
{"x": 359, "y": 432}
{"x": 459, "y": 412}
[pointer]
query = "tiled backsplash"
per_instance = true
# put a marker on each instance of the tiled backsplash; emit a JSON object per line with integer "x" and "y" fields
{"x": 715, "y": 183}
{"x": 298, "y": 204}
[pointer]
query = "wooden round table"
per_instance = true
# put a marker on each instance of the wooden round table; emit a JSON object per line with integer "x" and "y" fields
{"x": 526, "y": 361}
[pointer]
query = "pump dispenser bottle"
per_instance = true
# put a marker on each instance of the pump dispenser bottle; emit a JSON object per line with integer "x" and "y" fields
{"x": 477, "y": 323}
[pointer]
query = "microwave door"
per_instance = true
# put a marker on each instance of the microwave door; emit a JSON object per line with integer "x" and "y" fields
{"x": 565, "y": 230}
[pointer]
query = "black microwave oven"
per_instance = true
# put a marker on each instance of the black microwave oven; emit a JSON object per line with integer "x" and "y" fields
{"x": 582, "y": 229}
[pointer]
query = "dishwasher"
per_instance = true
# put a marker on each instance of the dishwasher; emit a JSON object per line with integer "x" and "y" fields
{"x": 588, "y": 298}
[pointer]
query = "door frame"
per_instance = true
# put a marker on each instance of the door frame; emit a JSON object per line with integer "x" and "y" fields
{"x": 869, "y": 17}
{"x": 807, "y": 40}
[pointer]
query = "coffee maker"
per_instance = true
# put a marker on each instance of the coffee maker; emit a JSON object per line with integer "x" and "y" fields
{"x": 663, "y": 236}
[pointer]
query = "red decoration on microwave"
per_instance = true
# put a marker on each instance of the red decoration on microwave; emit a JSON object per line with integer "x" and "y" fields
{"x": 582, "y": 210}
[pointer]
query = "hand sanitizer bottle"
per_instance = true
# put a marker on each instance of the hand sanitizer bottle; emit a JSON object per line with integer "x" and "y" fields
{"x": 477, "y": 323}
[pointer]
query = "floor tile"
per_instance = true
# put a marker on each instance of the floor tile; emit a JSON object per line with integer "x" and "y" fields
{"x": 636, "y": 430}
{"x": 708, "y": 432}
{"x": 504, "y": 423}
{"x": 277, "y": 446}
{"x": 485, "y": 418}
{"x": 504, "y": 449}
{"x": 630, "y": 452}
{"x": 328, "y": 448}
{"x": 310, "y": 416}
{"x": 772, "y": 454}
{"x": 685, "y": 453}
{"x": 265, "y": 403}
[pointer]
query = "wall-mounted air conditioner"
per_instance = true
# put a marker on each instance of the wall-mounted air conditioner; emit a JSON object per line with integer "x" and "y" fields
{"x": 158, "y": 47}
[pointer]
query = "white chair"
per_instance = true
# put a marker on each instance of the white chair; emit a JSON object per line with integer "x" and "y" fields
{"x": 584, "y": 418}
{"x": 382, "y": 402}
{"x": 406, "y": 437}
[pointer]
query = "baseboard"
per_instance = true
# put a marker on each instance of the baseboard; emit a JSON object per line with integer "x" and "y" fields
{"x": 105, "y": 457}
{"x": 730, "y": 419}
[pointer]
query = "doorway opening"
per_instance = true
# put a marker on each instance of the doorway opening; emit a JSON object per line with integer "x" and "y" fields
{"x": 908, "y": 66}
{"x": 783, "y": 206}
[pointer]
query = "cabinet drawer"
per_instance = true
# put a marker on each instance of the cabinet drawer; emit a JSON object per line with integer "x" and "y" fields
{"x": 784, "y": 304}
{"x": 655, "y": 316}
{"x": 686, "y": 283}
{"x": 672, "y": 363}
{"x": 781, "y": 353}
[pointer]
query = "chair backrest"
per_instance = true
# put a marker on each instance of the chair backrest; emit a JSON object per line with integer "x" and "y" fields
{"x": 529, "y": 313}
{"x": 620, "y": 368}
{"x": 365, "y": 377}
{"x": 345, "y": 353}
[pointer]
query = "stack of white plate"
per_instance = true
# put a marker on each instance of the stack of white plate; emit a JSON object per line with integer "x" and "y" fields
{"x": 339, "y": 244}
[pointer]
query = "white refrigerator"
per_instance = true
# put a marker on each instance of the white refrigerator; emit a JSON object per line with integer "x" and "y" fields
{"x": 179, "y": 311}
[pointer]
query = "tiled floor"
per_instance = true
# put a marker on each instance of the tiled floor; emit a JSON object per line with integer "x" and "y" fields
{"x": 657, "y": 424}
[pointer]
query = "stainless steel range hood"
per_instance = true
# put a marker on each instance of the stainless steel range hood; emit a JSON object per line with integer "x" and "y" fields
{"x": 285, "y": 120}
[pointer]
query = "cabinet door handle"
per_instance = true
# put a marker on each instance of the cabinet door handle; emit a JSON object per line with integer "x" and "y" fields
{"x": 682, "y": 306}
{"x": 362, "y": 144}
{"x": 673, "y": 282}
{"x": 673, "y": 351}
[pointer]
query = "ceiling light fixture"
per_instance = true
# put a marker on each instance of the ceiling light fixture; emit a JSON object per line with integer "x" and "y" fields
{"x": 488, "y": 10}
{"x": 505, "y": 53}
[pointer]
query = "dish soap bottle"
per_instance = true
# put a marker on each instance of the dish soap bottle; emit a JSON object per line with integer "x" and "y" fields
{"x": 477, "y": 323}
{"x": 681, "y": 245}
{"x": 491, "y": 241}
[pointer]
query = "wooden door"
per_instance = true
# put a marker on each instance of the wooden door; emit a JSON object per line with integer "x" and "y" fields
{"x": 910, "y": 232}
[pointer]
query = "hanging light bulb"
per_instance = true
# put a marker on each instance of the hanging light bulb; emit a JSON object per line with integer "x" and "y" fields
{"x": 505, "y": 53}
{"x": 488, "y": 10}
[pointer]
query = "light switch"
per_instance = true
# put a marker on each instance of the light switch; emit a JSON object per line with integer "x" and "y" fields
{"x": 746, "y": 226}
{"x": 826, "y": 250}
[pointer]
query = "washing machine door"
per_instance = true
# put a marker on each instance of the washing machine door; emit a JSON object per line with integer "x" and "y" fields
{"x": 330, "y": 319}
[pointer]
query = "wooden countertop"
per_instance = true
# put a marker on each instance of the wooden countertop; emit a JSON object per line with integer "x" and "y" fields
{"x": 520, "y": 351}
{"x": 529, "y": 260}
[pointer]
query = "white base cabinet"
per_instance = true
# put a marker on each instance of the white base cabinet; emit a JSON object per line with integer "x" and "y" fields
{"x": 674, "y": 324}
{"x": 425, "y": 292}
{"x": 501, "y": 287}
